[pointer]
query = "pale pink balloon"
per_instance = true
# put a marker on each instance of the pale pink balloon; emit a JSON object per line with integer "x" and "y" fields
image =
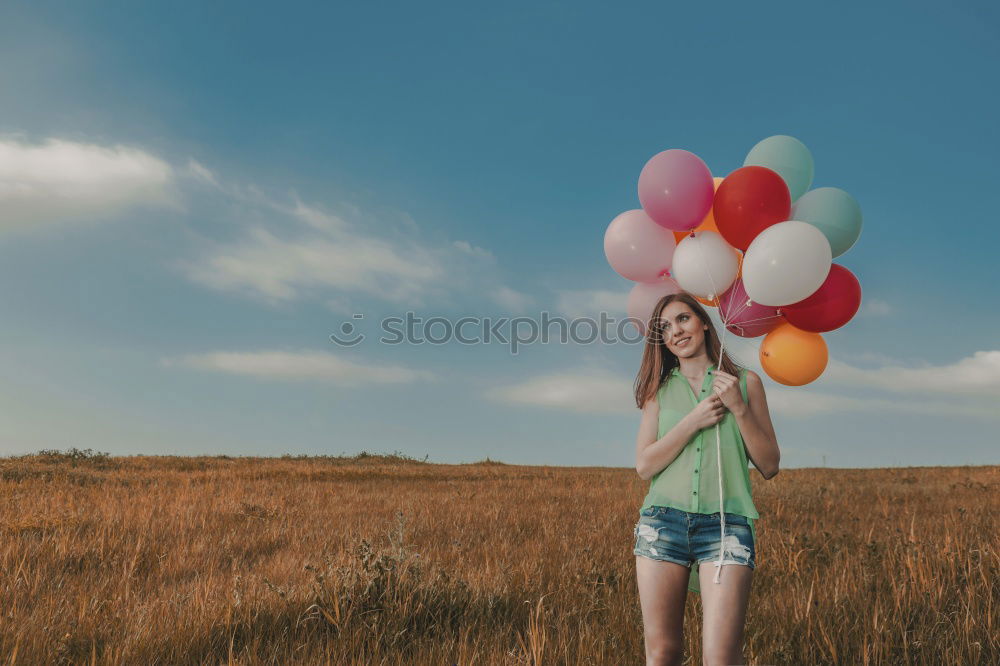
{"x": 746, "y": 321}
{"x": 676, "y": 189}
{"x": 643, "y": 298}
{"x": 638, "y": 248}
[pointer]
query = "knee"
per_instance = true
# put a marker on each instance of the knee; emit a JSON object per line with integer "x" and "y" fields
{"x": 664, "y": 654}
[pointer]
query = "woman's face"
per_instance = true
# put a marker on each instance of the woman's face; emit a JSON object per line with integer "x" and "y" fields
{"x": 683, "y": 332}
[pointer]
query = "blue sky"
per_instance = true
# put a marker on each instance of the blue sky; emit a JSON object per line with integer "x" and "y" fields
{"x": 194, "y": 196}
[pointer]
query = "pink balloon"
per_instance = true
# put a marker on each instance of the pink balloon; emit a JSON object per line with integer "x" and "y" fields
{"x": 676, "y": 189}
{"x": 638, "y": 248}
{"x": 643, "y": 298}
{"x": 746, "y": 321}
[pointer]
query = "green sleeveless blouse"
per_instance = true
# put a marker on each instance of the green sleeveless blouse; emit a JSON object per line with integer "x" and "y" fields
{"x": 691, "y": 481}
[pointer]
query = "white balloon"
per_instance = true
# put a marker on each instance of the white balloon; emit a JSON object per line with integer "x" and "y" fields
{"x": 644, "y": 297}
{"x": 705, "y": 264}
{"x": 786, "y": 263}
{"x": 638, "y": 248}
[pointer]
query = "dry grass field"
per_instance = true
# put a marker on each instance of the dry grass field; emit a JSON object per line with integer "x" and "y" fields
{"x": 389, "y": 560}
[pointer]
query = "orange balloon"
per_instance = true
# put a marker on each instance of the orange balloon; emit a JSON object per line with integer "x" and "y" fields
{"x": 706, "y": 224}
{"x": 681, "y": 235}
{"x": 704, "y": 301}
{"x": 793, "y": 357}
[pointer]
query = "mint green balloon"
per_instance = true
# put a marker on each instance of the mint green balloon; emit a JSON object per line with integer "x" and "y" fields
{"x": 789, "y": 157}
{"x": 834, "y": 212}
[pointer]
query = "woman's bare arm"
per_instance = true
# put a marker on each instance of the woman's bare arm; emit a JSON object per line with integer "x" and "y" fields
{"x": 755, "y": 425}
{"x": 652, "y": 454}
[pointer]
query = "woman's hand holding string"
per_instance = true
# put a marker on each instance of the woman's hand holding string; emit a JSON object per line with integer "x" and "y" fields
{"x": 727, "y": 387}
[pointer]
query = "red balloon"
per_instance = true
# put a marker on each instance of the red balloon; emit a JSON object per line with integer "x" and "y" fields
{"x": 829, "y": 307}
{"x": 748, "y": 201}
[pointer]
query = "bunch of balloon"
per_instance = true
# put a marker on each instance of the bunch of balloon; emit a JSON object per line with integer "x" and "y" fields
{"x": 757, "y": 244}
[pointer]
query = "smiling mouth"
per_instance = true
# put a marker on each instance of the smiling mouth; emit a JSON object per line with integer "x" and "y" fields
{"x": 682, "y": 343}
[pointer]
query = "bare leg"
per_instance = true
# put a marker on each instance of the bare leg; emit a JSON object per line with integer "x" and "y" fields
{"x": 662, "y": 594}
{"x": 724, "y": 608}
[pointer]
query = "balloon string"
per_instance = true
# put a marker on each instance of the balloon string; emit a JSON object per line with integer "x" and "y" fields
{"x": 747, "y": 321}
{"x": 743, "y": 305}
{"x": 718, "y": 436}
{"x": 737, "y": 311}
{"x": 733, "y": 314}
{"x": 750, "y": 341}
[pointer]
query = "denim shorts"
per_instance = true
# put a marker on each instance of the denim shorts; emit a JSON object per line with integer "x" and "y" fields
{"x": 671, "y": 535}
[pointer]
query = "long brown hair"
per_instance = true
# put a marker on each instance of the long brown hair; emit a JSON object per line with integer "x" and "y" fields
{"x": 658, "y": 361}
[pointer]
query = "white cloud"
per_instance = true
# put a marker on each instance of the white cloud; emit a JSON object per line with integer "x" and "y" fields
{"x": 969, "y": 387}
{"x": 976, "y": 375}
{"x": 331, "y": 257}
{"x": 60, "y": 180}
{"x": 341, "y": 305}
{"x": 590, "y": 302}
{"x": 202, "y": 173}
{"x": 587, "y": 391}
{"x": 305, "y": 365}
{"x": 976, "y": 379}
{"x": 802, "y": 403}
{"x": 279, "y": 269}
{"x": 473, "y": 250}
{"x": 317, "y": 218}
{"x": 871, "y": 357}
{"x": 875, "y": 307}
{"x": 512, "y": 300}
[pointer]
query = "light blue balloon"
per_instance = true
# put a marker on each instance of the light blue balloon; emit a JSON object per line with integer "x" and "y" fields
{"x": 834, "y": 212}
{"x": 789, "y": 157}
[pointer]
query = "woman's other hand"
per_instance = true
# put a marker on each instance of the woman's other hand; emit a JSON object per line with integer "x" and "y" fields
{"x": 708, "y": 412}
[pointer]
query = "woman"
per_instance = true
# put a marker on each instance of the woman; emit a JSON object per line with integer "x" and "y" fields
{"x": 685, "y": 386}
